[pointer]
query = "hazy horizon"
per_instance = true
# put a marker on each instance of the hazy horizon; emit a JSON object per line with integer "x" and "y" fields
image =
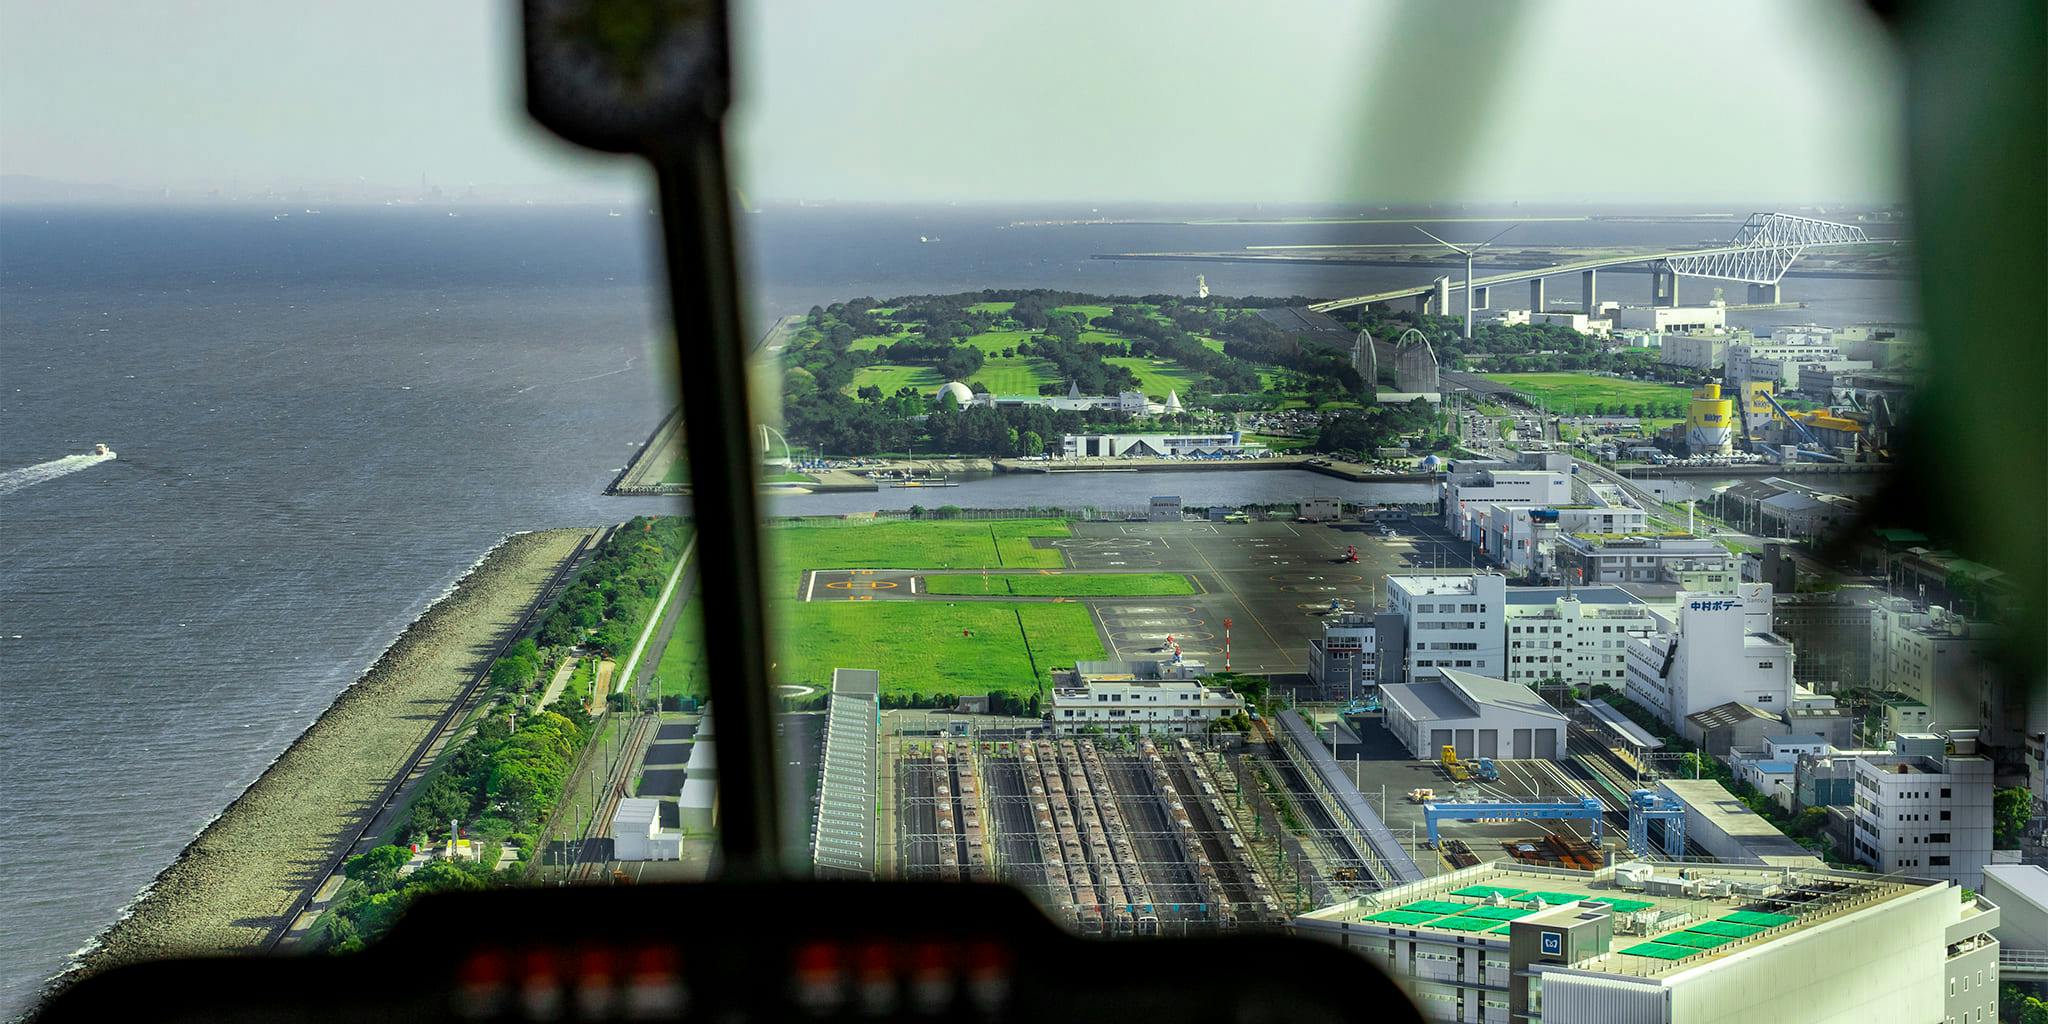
{"x": 913, "y": 102}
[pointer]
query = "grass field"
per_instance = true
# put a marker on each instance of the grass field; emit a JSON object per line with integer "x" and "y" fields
{"x": 1576, "y": 394}
{"x": 930, "y": 647}
{"x": 1157, "y": 376}
{"x": 923, "y": 544}
{"x": 1079, "y": 584}
{"x": 1090, "y": 312}
{"x": 1018, "y": 375}
{"x": 680, "y": 672}
{"x": 918, "y": 645}
{"x": 992, "y": 307}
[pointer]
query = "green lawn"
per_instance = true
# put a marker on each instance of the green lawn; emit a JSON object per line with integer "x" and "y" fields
{"x": 1090, "y": 312}
{"x": 931, "y": 647}
{"x": 1156, "y": 377}
{"x": 1106, "y": 584}
{"x": 868, "y": 341}
{"x": 1576, "y": 394}
{"x": 1018, "y": 375}
{"x": 918, "y": 645}
{"x": 920, "y": 544}
{"x": 994, "y": 342}
{"x": 680, "y": 672}
{"x": 992, "y": 307}
{"x": 890, "y": 376}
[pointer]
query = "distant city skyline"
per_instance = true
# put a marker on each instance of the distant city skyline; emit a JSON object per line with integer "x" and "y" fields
{"x": 1568, "y": 101}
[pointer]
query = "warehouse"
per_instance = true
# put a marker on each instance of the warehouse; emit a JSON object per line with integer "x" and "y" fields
{"x": 1644, "y": 944}
{"x": 1729, "y": 831}
{"x": 1481, "y": 717}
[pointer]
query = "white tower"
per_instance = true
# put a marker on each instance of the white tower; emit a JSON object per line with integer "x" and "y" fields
{"x": 1201, "y": 286}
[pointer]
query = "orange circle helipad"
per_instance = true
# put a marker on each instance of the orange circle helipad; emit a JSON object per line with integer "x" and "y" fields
{"x": 860, "y": 585}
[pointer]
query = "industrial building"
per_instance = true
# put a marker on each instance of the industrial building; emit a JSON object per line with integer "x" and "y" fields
{"x": 637, "y": 833}
{"x": 1345, "y": 659}
{"x": 1831, "y": 631}
{"x": 1639, "y": 944}
{"x": 1724, "y": 727}
{"x": 1671, "y": 319}
{"x": 1925, "y": 814}
{"x": 843, "y": 835}
{"x": 1439, "y": 621}
{"x": 1577, "y": 636}
{"x": 1777, "y": 507}
{"x": 1719, "y": 650}
{"x": 1130, "y": 403}
{"x": 2020, "y": 892}
{"x": 1154, "y": 446}
{"x": 1729, "y": 831}
{"x": 1480, "y": 716}
{"x": 1697, "y": 350}
{"x": 1639, "y": 558}
{"x": 1943, "y": 661}
{"x": 1159, "y": 697}
{"x": 697, "y": 807}
{"x": 1522, "y": 537}
{"x": 1469, "y": 488}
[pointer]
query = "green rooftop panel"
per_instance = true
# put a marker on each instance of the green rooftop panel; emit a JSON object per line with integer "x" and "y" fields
{"x": 1552, "y": 898}
{"x": 1697, "y": 940}
{"x": 1758, "y": 918}
{"x": 1497, "y": 913}
{"x": 1502, "y": 930}
{"x": 1402, "y": 917}
{"x": 1435, "y": 907}
{"x": 1483, "y": 891}
{"x": 1462, "y": 923}
{"x": 1621, "y": 906}
{"x": 1659, "y": 951}
{"x": 1733, "y": 931}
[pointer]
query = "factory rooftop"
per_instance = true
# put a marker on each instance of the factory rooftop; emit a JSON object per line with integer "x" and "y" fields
{"x": 1664, "y": 924}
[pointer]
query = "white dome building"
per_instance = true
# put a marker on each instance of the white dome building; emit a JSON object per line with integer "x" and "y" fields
{"x": 962, "y": 394}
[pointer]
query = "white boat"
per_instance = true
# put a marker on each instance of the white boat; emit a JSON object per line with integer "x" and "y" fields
{"x": 103, "y": 450}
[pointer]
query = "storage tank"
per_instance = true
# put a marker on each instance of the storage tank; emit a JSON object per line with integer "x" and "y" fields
{"x": 1709, "y": 422}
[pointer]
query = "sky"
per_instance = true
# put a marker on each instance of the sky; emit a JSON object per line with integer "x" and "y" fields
{"x": 936, "y": 100}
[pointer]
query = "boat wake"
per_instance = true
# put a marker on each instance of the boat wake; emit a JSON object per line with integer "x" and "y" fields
{"x": 28, "y": 476}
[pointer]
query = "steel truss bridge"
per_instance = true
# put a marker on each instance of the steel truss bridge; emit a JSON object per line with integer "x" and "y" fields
{"x": 1759, "y": 255}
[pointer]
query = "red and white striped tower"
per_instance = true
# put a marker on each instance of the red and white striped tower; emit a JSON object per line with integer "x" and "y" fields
{"x": 1226, "y": 645}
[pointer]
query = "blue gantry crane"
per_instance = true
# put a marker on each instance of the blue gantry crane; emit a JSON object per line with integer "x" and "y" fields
{"x": 1645, "y": 806}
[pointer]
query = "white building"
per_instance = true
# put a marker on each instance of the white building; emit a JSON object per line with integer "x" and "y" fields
{"x": 1637, "y": 944}
{"x": 637, "y": 833}
{"x": 1719, "y": 650}
{"x": 1666, "y": 319}
{"x": 1639, "y": 558}
{"x": 1480, "y": 716}
{"x": 1698, "y": 350}
{"x": 1523, "y": 538}
{"x": 1439, "y": 621}
{"x": 1466, "y": 492}
{"x": 2020, "y": 891}
{"x": 1943, "y": 661}
{"x": 1924, "y": 815}
{"x": 1776, "y": 360}
{"x": 1166, "y": 697}
{"x": 1118, "y": 446}
{"x": 1581, "y": 639}
{"x": 1345, "y": 659}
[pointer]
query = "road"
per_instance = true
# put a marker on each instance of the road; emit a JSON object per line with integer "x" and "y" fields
{"x": 382, "y": 820}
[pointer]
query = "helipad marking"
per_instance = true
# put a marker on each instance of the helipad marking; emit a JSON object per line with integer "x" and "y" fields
{"x": 860, "y": 585}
